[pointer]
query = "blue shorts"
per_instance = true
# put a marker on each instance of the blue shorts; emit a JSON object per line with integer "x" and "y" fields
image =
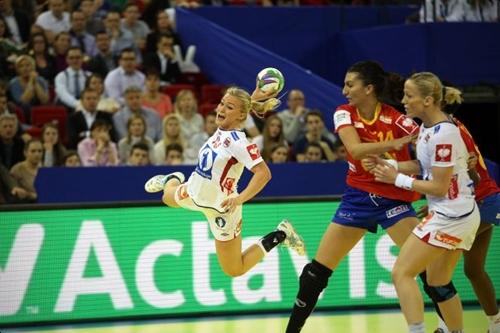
{"x": 489, "y": 208}
{"x": 365, "y": 210}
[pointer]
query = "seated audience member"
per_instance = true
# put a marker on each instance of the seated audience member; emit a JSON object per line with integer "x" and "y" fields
{"x": 136, "y": 133}
{"x": 340, "y": 151}
{"x": 7, "y": 107}
{"x": 313, "y": 153}
{"x": 294, "y": 116}
{"x": 103, "y": 61}
{"x": 54, "y": 20}
{"x": 272, "y": 134}
{"x": 25, "y": 172}
{"x": 123, "y": 77}
{"x": 196, "y": 141}
{"x": 79, "y": 123}
{"x": 131, "y": 23}
{"x": 120, "y": 39}
{"x": 162, "y": 26}
{"x": 28, "y": 89}
{"x": 186, "y": 107}
{"x": 71, "y": 82}
{"x": 481, "y": 11}
{"x": 174, "y": 154}
{"x": 106, "y": 104}
{"x": 98, "y": 149}
{"x": 164, "y": 60}
{"x": 11, "y": 146}
{"x": 279, "y": 153}
{"x": 442, "y": 11}
{"x": 314, "y": 134}
{"x": 45, "y": 65}
{"x": 53, "y": 149}
{"x": 17, "y": 22}
{"x": 71, "y": 159}
{"x": 9, "y": 48}
{"x": 152, "y": 97}
{"x": 79, "y": 35}
{"x": 93, "y": 21}
{"x": 139, "y": 155}
{"x": 133, "y": 106}
{"x": 171, "y": 134}
{"x": 10, "y": 191}
{"x": 61, "y": 45}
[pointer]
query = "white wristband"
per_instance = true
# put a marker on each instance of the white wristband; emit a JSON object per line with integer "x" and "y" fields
{"x": 394, "y": 163}
{"x": 404, "y": 181}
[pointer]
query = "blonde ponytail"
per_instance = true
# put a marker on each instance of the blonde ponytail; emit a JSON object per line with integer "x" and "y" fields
{"x": 452, "y": 96}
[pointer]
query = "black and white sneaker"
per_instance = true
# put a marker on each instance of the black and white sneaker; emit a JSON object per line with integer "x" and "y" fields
{"x": 157, "y": 183}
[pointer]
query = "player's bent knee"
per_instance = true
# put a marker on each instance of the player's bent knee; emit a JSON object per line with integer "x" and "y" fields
{"x": 313, "y": 279}
{"x": 473, "y": 272}
{"x": 441, "y": 293}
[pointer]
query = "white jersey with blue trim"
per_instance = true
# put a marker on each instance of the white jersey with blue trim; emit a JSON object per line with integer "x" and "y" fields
{"x": 442, "y": 146}
{"x": 220, "y": 164}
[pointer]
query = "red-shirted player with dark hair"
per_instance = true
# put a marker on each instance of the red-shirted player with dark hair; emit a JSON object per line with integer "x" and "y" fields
{"x": 366, "y": 126}
{"x": 488, "y": 200}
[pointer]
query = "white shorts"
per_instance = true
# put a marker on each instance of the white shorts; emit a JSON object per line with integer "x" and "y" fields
{"x": 449, "y": 233}
{"x": 224, "y": 227}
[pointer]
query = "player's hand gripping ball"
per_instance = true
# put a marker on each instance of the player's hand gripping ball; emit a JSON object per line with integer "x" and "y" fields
{"x": 270, "y": 80}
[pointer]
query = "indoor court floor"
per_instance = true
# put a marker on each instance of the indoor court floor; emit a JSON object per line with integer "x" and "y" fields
{"x": 324, "y": 322}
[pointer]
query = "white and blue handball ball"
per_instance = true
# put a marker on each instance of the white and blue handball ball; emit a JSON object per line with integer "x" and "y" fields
{"x": 270, "y": 80}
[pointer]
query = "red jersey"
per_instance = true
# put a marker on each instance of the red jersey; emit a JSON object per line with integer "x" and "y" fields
{"x": 387, "y": 124}
{"x": 487, "y": 185}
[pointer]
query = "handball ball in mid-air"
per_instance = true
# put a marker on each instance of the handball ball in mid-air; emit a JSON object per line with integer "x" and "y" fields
{"x": 270, "y": 80}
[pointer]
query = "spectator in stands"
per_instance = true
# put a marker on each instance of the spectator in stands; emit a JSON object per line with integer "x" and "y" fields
{"x": 53, "y": 150}
{"x": 442, "y": 11}
{"x": 9, "y": 48}
{"x": 314, "y": 134}
{"x": 164, "y": 60}
{"x": 186, "y": 107}
{"x": 98, "y": 149}
{"x": 79, "y": 35}
{"x": 196, "y": 141}
{"x": 18, "y": 23}
{"x": 55, "y": 20}
{"x": 27, "y": 88}
{"x": 120, "y": 39}
{"x": 10, "y": 191}
{"x": 279, "y": 153}
{"x": 171, "y": 134}
{"x": 103, "y": 61}
{"x": 126, "y": 75}
{"x": 271, "y": 135}
{"x": 93, "y": 22}
{"x": 71, "y": 82}
{"x": 340, "y": 151}
{"x": 481, "y": 10}
{"x": 313, "y": 153}
{"x": 133, "y": 106}
{"x": 139, "y": 155}
{"x": 136, "y": 133}
{"x": 131, "y": 23}
{"x": 71, "y": 159}
{"x": 162, "y": 26}
{"x": 7, "y": 107}
{"x": 293, "y": 117}
{"x": 11, "y": 146}
{"x": 174, "y": 154}
{"x": 152, "y": 97}
{"x": 61, "y": 45}
{"x": 79, "y": 123}
{"x": 25, "y": 172}
{"x": 45, "y": 65}
{"x": 106, "y": 104}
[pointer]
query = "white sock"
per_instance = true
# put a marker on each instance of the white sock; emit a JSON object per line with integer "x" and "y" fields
{"x": 494, "y": 317}
{"x": 416, "y": 328}
{"x": 442, "y": 325}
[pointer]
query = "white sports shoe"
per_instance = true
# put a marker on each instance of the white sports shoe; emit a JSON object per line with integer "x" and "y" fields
{"x": 157, "y": 183}
{"x": 494, "y": 326}
{"x": 293, "y": 239}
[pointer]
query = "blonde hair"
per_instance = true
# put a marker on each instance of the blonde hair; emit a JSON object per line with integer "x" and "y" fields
{"x": 169, "y": 140}
{"x": 27, "y": 58}
{"x": 259, "y": 108}
{"x": 428, "y": 84}
{"x": 182, "y": 94}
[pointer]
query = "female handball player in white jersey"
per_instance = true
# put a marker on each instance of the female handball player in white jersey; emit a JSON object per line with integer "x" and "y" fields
{"x": 437, "y": 242}
{"x": 211, "y": 188}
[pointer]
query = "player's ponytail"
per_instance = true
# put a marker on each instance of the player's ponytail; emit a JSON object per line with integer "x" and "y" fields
{"x": 452, "y": 96}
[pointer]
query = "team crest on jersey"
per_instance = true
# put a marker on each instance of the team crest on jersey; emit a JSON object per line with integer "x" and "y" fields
{"x": 253, "y": 151}
{"x": 443, "y": 153}
{"x": 407, "y": 124}
{"x": 221, "y": 223}
{"x": 206, "y": 159}
{"x": 385, "y": 119}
